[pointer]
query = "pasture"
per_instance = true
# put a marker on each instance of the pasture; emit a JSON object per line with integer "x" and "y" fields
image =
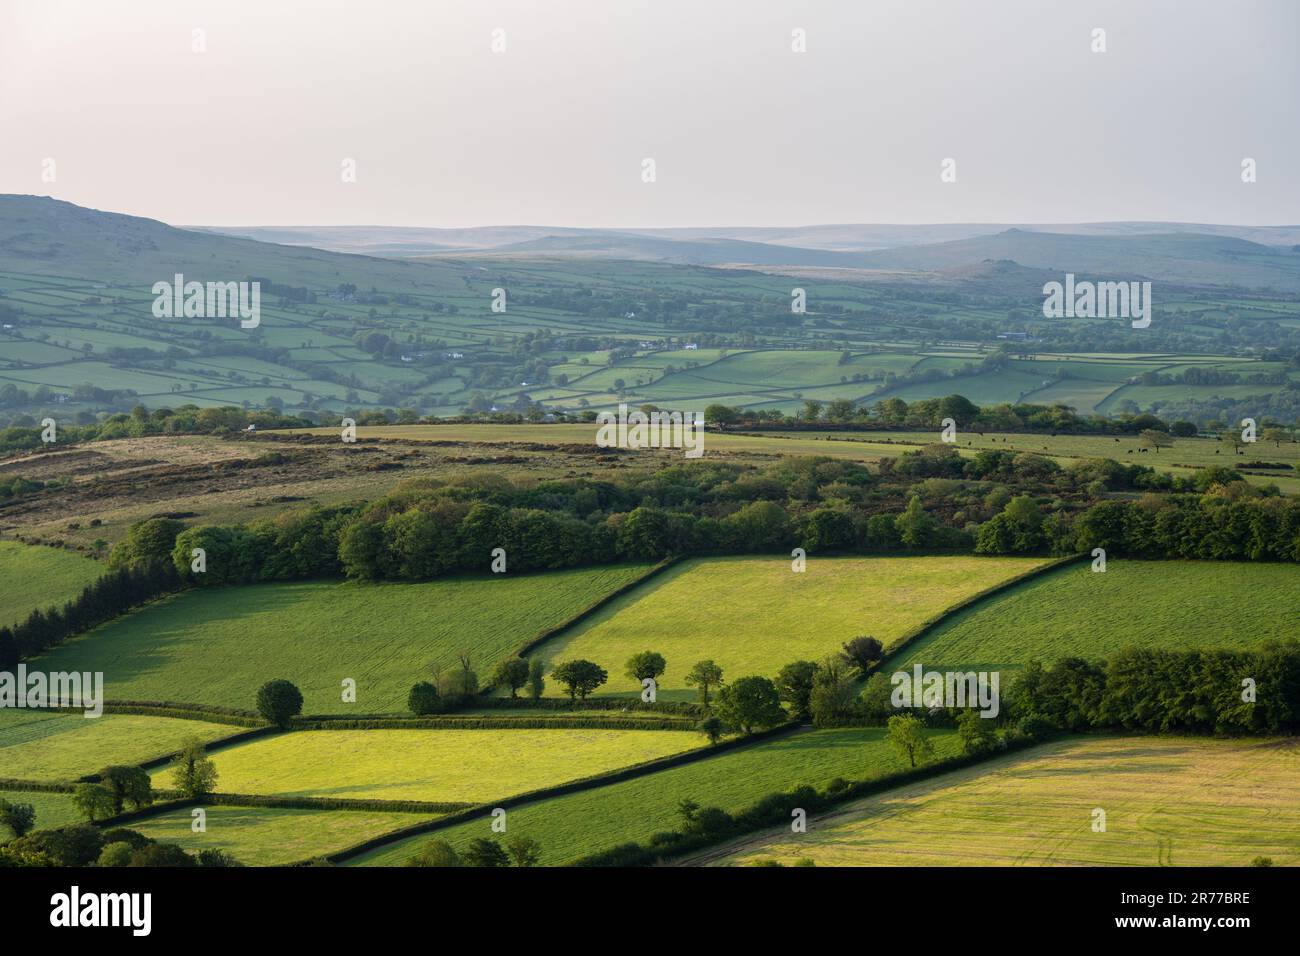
{"x": 441, "y": 766}
{"x": 218, "y": 646}
{"x": 273, "y": 836}
{"x": 753, "y": 615}
{"x": 1074, "y": 611}
{"x": 1168, "y": 802}
{"x": 52, "y": 809}
{"x": 579, "y": 824}
{"x": 53, "y": 746}
{"x": 32, "y": 576}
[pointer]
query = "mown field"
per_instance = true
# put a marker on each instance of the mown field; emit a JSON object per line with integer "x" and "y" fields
{"x": 579, "y": 824}
{"x": 218, "y": 646}
{"x": 1074, "y": 611}
{"x": 753, "y": 615}
{"x": 52, "y": 809}
{"x": 1168, "y": 802}
{"x": 56, "y": 746}
{"x": 34, "y": 577}
{"x": 434, "y": 765}
{"x": 271, "y": 836}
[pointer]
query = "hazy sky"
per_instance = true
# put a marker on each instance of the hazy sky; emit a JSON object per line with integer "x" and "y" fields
{"x": 743, "y": 130}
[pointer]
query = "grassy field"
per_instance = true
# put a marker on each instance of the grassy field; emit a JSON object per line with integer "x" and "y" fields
{"x": 52, "y": 809}
{"x": 1074, "y": 611}
{"x": 266, "y": 836}
{"x": 1168, "y": 802}
{"x": 51, "y": 746}
{"x": 33, "y": 577}
{"x": 435, "y": 765}
{"x": 753, "y": 615}
{"x": 219, "y": 646}
{"x": 579, "y": 824}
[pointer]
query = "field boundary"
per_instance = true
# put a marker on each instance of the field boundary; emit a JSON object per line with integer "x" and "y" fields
{"x": 494, "y": 723}
{"x": 546, "y": 793}
{"x": 542, "y": 637}
{"x": 928, "y": 625}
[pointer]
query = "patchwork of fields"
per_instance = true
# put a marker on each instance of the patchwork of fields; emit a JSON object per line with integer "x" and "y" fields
{"x": 218, "y": 646}
{"x": 580, "y": 824}
{"x": 1219, "y": 802}
{"x": 1076, "y": 612}
{"x": 1167, "y": 802}
{"x": 437, "y": 766}
{"x": 54, "y": 747}
{"x": 753, "y": 615}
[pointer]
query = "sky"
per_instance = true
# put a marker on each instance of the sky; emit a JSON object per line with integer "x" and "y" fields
{"x": 122, "y": 105}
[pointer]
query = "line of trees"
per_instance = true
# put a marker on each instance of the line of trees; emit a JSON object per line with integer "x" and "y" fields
{"x": 109, "y": 596}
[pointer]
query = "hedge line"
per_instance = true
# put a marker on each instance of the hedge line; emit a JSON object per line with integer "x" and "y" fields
{"x": 206, "y": 712}
{"x": 494, "y": 723}
{"x": 682, "y": 708}
{"x": 545, "y": 793}
{"x": 35, "y": 786}
{"x": 531, "y": 645}
{"x": 774, "y": 810}
{"x": 930, "y": 623}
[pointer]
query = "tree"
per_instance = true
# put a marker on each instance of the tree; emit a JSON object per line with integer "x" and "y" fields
{"x": 525, "y": 851}
{"x": 1154, "y": 438}
{"x": 712, "y": 728}
{"x": 512, "y": 673}
{"x": 832, "y": 693}
{"x": 485, "y": 852}
{"x": 115, "y": 854}
{"x": 18, "y": 817}
{"x": 915, "y": 527}
{"x": 862, "y": 652}
{"x": 423, "y": 699}
{"x": 438, "y": 853}
{"x": 278, "y": 701}
{"x": 580, "y": 677}
{"x": 907, "y": 735}
{"x": 976, "y": 733}
{"x": 794, "y": 685}
{"x": 536, "y": 682}
{"x": 127, "y": 785}
{"x": 94, "y": 800}
{"x": 750, "y": 704}
{"x": 704, "y": 674}
{"x": 194, "y": 774}
{"x": 646, "y": 665}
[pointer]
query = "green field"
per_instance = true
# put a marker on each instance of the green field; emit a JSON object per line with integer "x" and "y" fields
{"x": 218, "y": 646}
{"x": 267, "y": 836}
{"x": 34, "y": 577}
{"x": 579, "y": 824}
{"x": 52, "y": 746}
{"x": 1074, "y": 611}
{"x": 441, "y": 766}
{"x": 52, "y": 809}
{"x": 753, "y": 615}
{"x": 1168, "y": 802}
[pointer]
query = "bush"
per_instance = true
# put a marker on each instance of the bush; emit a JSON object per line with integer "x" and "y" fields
{"x": 437, "y": 853}
{"x": 279, "y": 701}
{"x": 423, "y": 699}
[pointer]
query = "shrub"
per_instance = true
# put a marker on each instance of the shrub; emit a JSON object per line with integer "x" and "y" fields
{"x": 279, "y": 701}
{"x": 423, "y": 699}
